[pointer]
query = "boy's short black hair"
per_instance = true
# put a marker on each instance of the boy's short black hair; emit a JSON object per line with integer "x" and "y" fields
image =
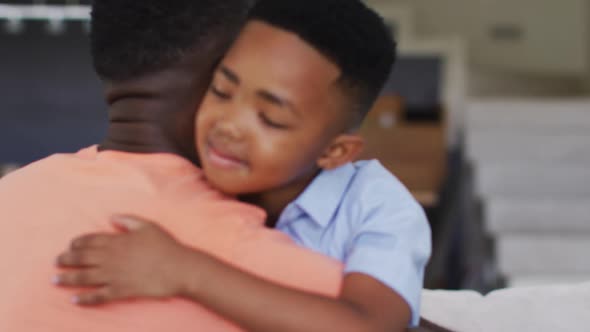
{"x": 349, "y": 33}
{"x": 130, "y": 38}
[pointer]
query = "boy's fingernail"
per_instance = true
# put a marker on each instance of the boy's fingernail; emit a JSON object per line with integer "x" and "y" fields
{"x": 75, "y": 299}
{"x": 56, "y": 280}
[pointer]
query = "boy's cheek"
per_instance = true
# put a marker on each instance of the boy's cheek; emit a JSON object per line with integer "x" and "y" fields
{"x": 201, "y": 139}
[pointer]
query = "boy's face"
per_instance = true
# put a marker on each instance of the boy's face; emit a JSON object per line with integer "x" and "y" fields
{"x": 273, "y": 110}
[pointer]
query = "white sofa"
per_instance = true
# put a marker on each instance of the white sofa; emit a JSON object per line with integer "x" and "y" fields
{"x": 560, "y": 308}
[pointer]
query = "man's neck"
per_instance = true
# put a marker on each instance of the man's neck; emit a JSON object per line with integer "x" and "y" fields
{"x": 137, "y": 138}
{"x": 146, "y": 118}
{"x": 155, "y": 113}
{"x": 134, "y": 127}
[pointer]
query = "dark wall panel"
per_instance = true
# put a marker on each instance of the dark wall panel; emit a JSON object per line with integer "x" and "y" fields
{"x": 50, "y": 98}
{"x": 418, "y": 80}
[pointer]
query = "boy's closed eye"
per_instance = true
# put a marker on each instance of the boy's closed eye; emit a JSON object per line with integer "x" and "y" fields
{"x": 218, "y": 92}
{"x": 267, "y": 121}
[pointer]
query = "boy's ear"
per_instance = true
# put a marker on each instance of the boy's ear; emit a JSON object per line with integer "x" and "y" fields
{"x": 343, "y": 149}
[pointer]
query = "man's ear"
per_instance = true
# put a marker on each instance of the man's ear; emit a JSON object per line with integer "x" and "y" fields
{"x": 343, "y": 149}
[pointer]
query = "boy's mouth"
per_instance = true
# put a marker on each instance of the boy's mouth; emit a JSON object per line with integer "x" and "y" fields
{"x": 222, "y": 157}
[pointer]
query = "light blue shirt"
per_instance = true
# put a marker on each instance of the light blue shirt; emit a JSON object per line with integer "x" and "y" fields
{"x": 361, "y": 215}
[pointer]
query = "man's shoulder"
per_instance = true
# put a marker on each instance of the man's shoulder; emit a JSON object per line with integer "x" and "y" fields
{"x": 52, "y": 162}
{"x": 272, "y": 255}
{"x": 57, "y": 158}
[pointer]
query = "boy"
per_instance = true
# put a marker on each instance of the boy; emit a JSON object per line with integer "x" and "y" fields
{"x": 277, "y": 129}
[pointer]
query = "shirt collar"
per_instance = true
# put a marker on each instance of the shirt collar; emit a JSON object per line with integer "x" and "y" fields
{"x": 322, "y": 197}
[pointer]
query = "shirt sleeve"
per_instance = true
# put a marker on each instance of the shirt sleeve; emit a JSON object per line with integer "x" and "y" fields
{"x": 393, "y": 245}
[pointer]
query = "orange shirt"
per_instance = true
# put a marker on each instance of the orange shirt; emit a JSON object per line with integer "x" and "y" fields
{"x": 46, "y": 204}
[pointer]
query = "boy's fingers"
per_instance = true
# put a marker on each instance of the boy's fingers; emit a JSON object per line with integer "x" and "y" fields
{"x": 91, "y": 241}
{"x": 101, "y": 296}
{"x": 129, "y": 223}
{"x": 85, "y": 278}
{"x": 79, "y": 258}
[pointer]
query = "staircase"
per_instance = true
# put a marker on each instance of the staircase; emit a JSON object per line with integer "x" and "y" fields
{"x": 532, "y": 174}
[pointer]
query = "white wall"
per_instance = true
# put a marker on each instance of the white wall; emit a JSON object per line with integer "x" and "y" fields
{"x": 554, "y": 32}
{"x": 494, "y": 83}
{"x": 551, "y": 57}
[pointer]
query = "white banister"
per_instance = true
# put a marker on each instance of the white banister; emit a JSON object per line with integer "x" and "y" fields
{"x": 15, "y": 16}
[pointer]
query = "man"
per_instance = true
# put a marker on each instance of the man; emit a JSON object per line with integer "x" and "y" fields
{"x": 156, "y": 59}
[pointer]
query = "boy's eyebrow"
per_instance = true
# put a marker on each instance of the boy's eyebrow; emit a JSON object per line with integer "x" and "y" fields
{"x": 278, "y": 101}
{"x": 264, "y": 94}
{"x": 230, "y": 75}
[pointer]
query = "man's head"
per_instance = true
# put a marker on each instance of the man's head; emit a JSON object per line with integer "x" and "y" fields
{"x": 289, "y": 95}
{"x": 156, "y": 58}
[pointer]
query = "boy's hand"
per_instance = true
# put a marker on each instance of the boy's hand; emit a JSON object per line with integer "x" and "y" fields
{"x": 141, "y": 261}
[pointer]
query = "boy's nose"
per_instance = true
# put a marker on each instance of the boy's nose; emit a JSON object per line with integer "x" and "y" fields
{"x": 227, "y": 130}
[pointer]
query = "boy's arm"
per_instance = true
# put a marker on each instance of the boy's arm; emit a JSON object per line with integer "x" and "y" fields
{"x": 148, "y": 262}
{"x": 364, "y": 304}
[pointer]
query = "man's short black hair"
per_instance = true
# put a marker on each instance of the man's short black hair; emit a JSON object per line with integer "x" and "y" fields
{"x": 130, "y": 38}
{"x": 347, "y": 32}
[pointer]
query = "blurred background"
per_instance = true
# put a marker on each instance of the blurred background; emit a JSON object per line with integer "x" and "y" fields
{"x": 486, "y": 118}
